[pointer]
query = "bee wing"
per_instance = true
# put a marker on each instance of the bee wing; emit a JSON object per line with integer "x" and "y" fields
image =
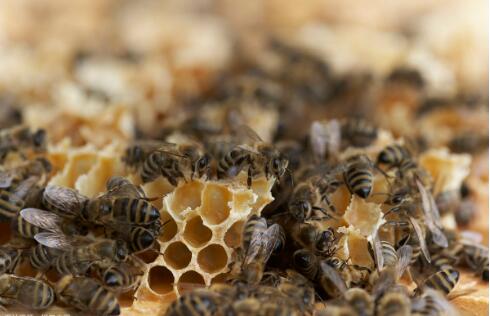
{"x": 471, "y": 236}
{"x": 6, "y": 178}
{"x": 248, "y": 149}
{"x": 244, "y": 132}
{"x": 42, "y": 219}
{"x": 432, "y": 217}
{"x": 334, "y": 277}
{"x": 378, "y": 251}
{"x": 64, "y": 199}
{"x": 404, "y": 257}
{"x": 54, "y": 240}
{"x": 420, "y": 237}
{"x": 24, "y": 187}
{"x": 325, "y": 137}
{"x": 121, "y": 187}
{"x": 262, "y": 245}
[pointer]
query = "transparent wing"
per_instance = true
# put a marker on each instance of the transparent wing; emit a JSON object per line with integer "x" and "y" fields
{"x": 378, "y": 251}
{"x": 54, "y": 240}
{"x": 471, "y": 236}
{"x": 334, "y": 277}
{"x": 64, "y": 200}
{"x": 42, "y": 219}
{"x": 244, "y": 132}
{"x": 325, "y": 137}
{"x": 420, "y": 237}
{"x": 404, "y": 257}
{"x": 432, "y": 217}
{"x": 262, "y": 245}
{"x": 25, "y": 187}
{"x": 121, "y": 187}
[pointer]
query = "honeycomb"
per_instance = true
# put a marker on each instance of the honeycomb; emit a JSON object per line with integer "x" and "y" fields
{"x": 202, "y": 222}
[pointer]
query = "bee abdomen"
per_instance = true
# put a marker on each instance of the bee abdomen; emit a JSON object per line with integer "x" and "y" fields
{"x": 390, "y": 256}
{"x": 359, "y": 181}
{"x": 443, "y": 281}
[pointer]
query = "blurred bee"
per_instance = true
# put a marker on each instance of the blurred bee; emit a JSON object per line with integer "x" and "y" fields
{"x": 21, "y": 137}
{"x": 358, "y": 132}
{"x": 393, "y": 156}
{"x": 325, "y": 139}
{"x": 309, "y": 194}
{"x": 443, "y": 281}
{"x": 37, "y": 168}
{"x": 198, "y": 302}
{"x": 470, "y": 142}
{"x": 360, "y": 300}
{"x": 115, "y": 206}
{"x": 137, "y": 153}
{"x": 124, "y": 276}
{"x": 87, "y": 295}
{"x": 256, "y": 306}
{"x": 335, "y": 310}
{"x": 432, "y": 303}
{"x": 28, "y": 292}
{"x": 257, "y": 155}
{"x": 42, "y": 258}
{"x": 320, "y": 242}
{"x": 10, "y": 112}
{"x": 476, "y": 257}
{"x": 319, "y": 271}
{"x": 406, "y": 76}
{"x": 394, "y": 304}
{"x": 12, "y": 200}
{"x": 172, "y": 161}
{"x": 258, "y": 244}
{"x": 9, "y": 258}
{"x": 465, "y": 212}
{"x": 358, "y": 175}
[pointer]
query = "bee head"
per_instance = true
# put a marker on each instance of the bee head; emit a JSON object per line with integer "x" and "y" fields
{"x": 278, "y": 166}
{"x": 303, "y": 260}
{"x": 121, "y": 250}
{"x": 39, "y": 139}
{"x": 300, "y": 209}
{"x": 201, "y": 166}
{"x": 111, "y": 278}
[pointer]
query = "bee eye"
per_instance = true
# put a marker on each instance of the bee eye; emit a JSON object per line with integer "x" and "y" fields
{"x": 305, "y": 206}
{"x": 203, "y": 162}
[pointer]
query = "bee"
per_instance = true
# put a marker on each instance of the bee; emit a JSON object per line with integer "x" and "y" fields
{"x": 432, "y": 303}
{"x": 257, "y": 156}
{"x": 358, "y": 175}
{"x": 111, "y": 208}
{"x": 42, "y": 258}
{"x": 198, "y": 302}
{"x": 360, "y": 300}
{"x": 325, "y": 139}
{"x": 87, "y": 295}
{"x": 256, "y": 306}
{"x": 172, "y": 160}
{"x": 137, "y": 153}
{"x": 319, "y": 271}
{"x": 358, "y": 132}
{"x": 14, "y": 199}
{"x": 28, "y": 292}
{"x": 124, "y": 276}
{"x": 334, "y": 310}
{"x": 37, "y": 168}
{"x": 393, "y": 156}
{"x": 469, "y": 142}
{"x": 21, "y": 137}
{"x": 307, "y": 196}
{"x": 394, "y": 304}
{"x": 443, "y": 281}
{"x": 465, "y": 212}
{"x": 383, "y": 253}
{"x": 476, "y": 257}
{"x": 9, "y": 258}
{"x": 320, "y": 242}
{"x": 259, "y": 242}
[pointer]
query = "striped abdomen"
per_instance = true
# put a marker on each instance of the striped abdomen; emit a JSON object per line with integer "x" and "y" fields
{"x": 196, "y": 303}
{"x": 9, "y": 258}
{"x": 23, "y": 228}
{"x": 121, "y": 277}
{"x": 359, "y": 178}
{"x": 71, "y": 263}
{"x": 135, "y": 211}
{"x": 255, "y": 224}
{"x": 394, "y": 304}
{"x": 393, "y": 155}
{"x": 140, "y": 239}
{"x": 443, "y": 281}
{"x": 10, "y": 205}
{"x": 390, "y": 257}
{"x": 232, "y": 163}
{"x": 35, "y": 294}
{"x": 42, "y": 257}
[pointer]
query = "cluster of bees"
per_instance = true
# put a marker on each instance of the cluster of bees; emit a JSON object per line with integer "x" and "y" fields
{"x": 288, "y": 262}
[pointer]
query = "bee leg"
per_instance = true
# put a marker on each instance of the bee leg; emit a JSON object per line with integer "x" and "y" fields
{"x": 329, "y": 203}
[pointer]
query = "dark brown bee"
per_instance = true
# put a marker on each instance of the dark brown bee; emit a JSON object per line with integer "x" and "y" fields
{"x": 465, "y": 212}
{"x": 28, "y": 292}
{"x": 308, "y": 236}
{"x": 42, "y": 258}
{"x": 393, "y": 155}
{"x": 136, "y": 154}
{"x": 308, "y": 195}
{"x": 87, "y": 295}
{"x": 198, "y": 302}
{"x": 173, "y": 161}
{"x": 19, "y": 138}
{"x": 358, "y": 176}
{"x": 12, "y": 200}
{"x": 444, "y": 281}
{"x": 10, "y": 111}
{"x": 476, "y": 257}
{"x": 123, "y": 276}
{"x": 358, "y": 132}
{"x": 433, "y": 303}
{"x": 37, "y": 168}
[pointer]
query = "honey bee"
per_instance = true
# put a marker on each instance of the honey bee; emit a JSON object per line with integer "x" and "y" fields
{"x": 258, "y": 156}
{"x": 325, "y": 139}
{"x": 393, "y": 155}
{"x": 21, "y": 137}
{"x": 28, "y": 292}
{"x": 37, "y": 168}
{"x": 9, "y": 258}
{"x": 358, "y": 132}
{"x": 432, "y": 303}
{"x": 465, "y": 212}
{"x": 320, "y": 242}
{"x": 307, "y": 196}
{"x": 256, "y": 306}
{"x": 358, "y": 175}
{"x": 124, "y": 276}
{"x": 42, "y": 258}
{"x": 198, "y": 302}
{"x": 259, "y": 243}
{"x": 173, "y": 160}
{"x": 335, "y": 310}
{"x": 394, "y": 304}
{"x": 407, "y": 76}
{"x": 360, "y": 300}
{"x": 87, "y": 295}
{"x": 137, "y": 153}
{"x": 319, "y": 271}
{"x": 476, "y": 257}
{"x": 12, "y": 200}
{"x": 112, "y": 207}
{"x": 443, "y": 281}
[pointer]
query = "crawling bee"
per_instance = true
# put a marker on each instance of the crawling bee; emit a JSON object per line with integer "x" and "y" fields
{"x": 87, "y": 295}
{"x": 358, "y": 175}
{"x": 358, "y": 132}
{"x": 124, "y": 276}
{"x": 432, "y": 303}
{"x": 470, "y": 142}
{"x": 393, "y": 156}
{"x": 308, "y": 236}
{"x": 21, "y": 137}
{"x": 12, "y": 200}
{"x": 360, "y": 300}
{"x": 443, "y": 281}
{"x": 309, "y": 194}
{"x": 42, "y": 258}
{"x": 115, "y": 206}
{"x": 37, "y": 168}
{"x": 476, "y": 257}
{"x": 198, "y": 302}
{"x": 173, "y": 161}
{"x": 137, "y": 153}
{"x": 28, "y": 292}
{"x": 9, "y": 258}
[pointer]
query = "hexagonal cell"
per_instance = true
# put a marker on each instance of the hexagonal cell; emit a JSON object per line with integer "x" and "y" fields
{"x": 220, "y": 278}
{"x": 215, "y": 207}
{"x": 187, "y": 196}
{"x": 196, "y": 233}
{"x": 233, "y": 236}
{"x": 157, "y": 189}
{"x": 148, "y": 256}
{"x": 177, "y": 255}
{"x": 189, "y": 281}
{"x": 212, "y": 259}
{"x": 169, "y": 228}
{"x": 160, "y": 279}
{"x": 126, "y": 299}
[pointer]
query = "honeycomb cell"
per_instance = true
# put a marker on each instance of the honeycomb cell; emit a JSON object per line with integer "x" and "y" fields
{"x": 169, "y": 228}
{"x": 215, "y": 208}
{"x": 148, "y": 256}
{"x": 189, "y": 281}
{"x": 177, "y": 255}
{"x": 233, "y": 236}
{"x": 160, "y": 279}
{"x": 212, "y": 259}
{"x": 220, "y": 278}
{"x": 187, "y": 196}
{"x": 157, "y": 189}
{"x": 126, "y": 299}
{"x": 196, "y": 233}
